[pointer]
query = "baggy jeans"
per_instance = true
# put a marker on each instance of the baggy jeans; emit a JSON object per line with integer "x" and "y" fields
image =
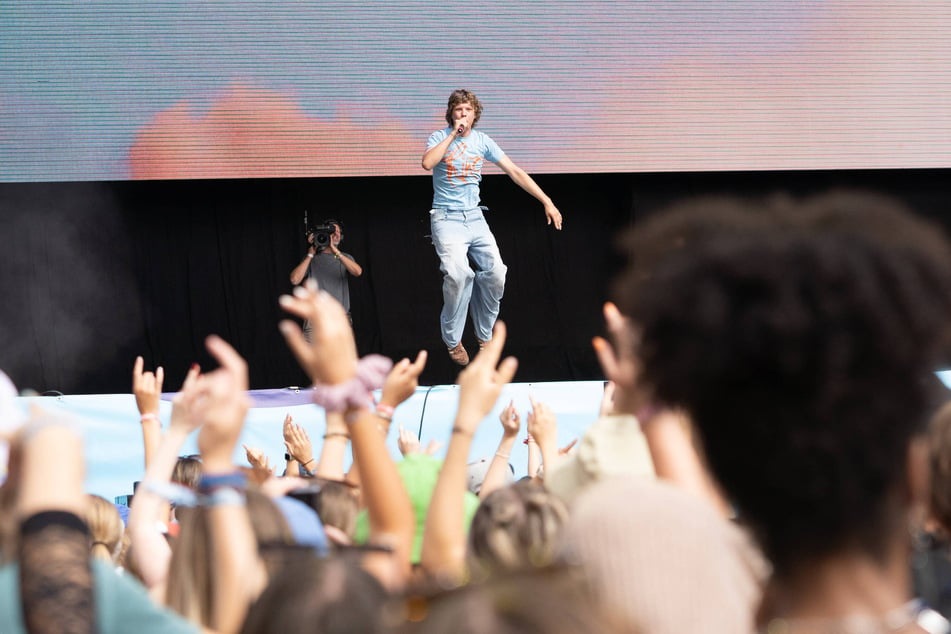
{"x": 459, "y": 235}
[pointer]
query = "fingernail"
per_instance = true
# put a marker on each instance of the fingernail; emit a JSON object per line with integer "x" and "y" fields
{"x": 300, "y": 292}
{"x": 285, "y": 326}
{"x": 285, "y": 300}
{"x": 194, "y": 367}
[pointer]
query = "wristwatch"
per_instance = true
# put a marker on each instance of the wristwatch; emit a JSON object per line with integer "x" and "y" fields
{"x": 288, "y": 457}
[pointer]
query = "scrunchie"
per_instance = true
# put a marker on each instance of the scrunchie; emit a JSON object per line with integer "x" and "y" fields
{"x": 357, "y": 392}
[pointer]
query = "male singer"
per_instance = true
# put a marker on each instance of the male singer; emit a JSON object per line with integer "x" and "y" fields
{"x": 459, "y": 230}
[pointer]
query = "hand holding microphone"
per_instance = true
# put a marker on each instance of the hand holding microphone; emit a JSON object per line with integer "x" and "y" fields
{"x": 460, "y": 126}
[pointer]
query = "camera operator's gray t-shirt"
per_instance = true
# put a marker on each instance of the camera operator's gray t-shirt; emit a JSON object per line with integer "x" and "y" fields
{"x": 331, "y": 276}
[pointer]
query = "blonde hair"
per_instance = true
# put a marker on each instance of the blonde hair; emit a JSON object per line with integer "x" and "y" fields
{"x": 189, "y": 589}
{"x": 105, "y": 528}
{"x": 516, "y": 527}
{"x": 338, "y": 506}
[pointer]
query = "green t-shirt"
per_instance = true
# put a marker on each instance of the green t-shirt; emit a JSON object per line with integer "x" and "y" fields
{"x": 419, "y": 472}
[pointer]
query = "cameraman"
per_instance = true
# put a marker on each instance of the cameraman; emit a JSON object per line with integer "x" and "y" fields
{"x": 327, "y": 264}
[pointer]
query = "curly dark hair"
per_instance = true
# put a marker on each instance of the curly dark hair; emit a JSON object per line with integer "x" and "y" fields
{"x": 462, "y": 96}
{"x": 798, "y": 336}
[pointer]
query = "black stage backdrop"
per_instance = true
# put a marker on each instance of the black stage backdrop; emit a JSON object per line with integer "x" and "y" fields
{"x": 95, "y": 273}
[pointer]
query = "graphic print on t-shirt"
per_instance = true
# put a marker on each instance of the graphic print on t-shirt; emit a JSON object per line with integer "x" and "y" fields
{"x": 458, "y": 166}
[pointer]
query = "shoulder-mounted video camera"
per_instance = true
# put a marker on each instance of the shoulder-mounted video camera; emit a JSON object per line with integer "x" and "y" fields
{"x": 322, "y": 232}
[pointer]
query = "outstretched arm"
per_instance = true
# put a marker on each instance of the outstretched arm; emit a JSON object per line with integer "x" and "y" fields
{"x": 526, "y": 182}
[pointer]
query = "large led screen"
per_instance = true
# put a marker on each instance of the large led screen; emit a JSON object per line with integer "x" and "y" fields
{"x": 132, "y": 89}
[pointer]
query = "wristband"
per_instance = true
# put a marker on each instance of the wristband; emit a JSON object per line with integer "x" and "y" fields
{"x": 310, "y": 255}
{"x": 336, "y": 434}
{"x": 357, "y": 392}
{"x": 148, "y": 417}
{"x": 234, "y": 480}
{"x": 224, "y": 497}
{"x": 460, "y": 430}
{"x": 385, "y": 411}
{"x": 171, "y": 492}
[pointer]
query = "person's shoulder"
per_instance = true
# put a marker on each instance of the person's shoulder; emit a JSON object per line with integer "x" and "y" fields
{"x": 438, "y": 136}
{"x": 122, "y": 601}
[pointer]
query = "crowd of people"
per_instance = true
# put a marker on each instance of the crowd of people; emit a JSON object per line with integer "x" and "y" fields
{"x": 773, "y": 455}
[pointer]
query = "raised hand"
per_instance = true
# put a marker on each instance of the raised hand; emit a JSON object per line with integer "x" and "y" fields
{"x": 331, "y": 356}
{"x": 297, "y": 441}
{"x": 481, "y": 382}
{"x": 183, "y": 403}
{"x": 147, "y": 387}
{"x": 542, "y": 424}
{"x": 569, "y": 448}
{"x": 402, "y": 381}
{"x": 261, "y": 469}
{"x": 619, "y": 361}
{"x": 221, "y": 404}
{"x": 511, "y": 423}
{"x": 407, "y": 442}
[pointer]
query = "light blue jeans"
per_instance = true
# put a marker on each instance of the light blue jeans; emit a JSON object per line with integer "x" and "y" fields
{"x": 458, "y": 236}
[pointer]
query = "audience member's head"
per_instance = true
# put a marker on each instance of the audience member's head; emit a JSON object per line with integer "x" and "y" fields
{"x": 798, "y": 337}
{"x": 190, "y": 569}
{"x": 319, "y": 595}
{"x": 662, "y": 559}
{"x": 105, "y": 528}
{"x": 187, "y": 472}
{"x": 538, "y": 601}
{"x": 515, "y": 527}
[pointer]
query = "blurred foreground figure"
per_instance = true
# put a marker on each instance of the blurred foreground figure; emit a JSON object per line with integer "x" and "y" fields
{"x": 801, "y": 338}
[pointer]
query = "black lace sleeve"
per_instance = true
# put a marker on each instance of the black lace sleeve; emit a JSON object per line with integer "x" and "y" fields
{"x": 56, "y": 583}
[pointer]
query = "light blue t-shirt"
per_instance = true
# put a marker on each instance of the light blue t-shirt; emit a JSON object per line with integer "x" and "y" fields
{"x": 457, "y": 176}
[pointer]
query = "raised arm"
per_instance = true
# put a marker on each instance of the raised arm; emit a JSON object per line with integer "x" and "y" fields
{"x": 300, "y": 271}
{"x": 348, "y": 262}
{"x": 495, "y": 475}
{"x": 526, "y": 182}
{"x": 147, "y": 389}
{"x": 668, "y": 433}
{"x": 238, "y": 574}
{"x": 331, "y": 362}
{"x": 444, "y": 538}
{"x": 333, "y": 453}
{"x": 433, "y": 155}
{"x": 150, "y": 551}
{"x": 543, "y": 426}
{"x": 56, "y": 583}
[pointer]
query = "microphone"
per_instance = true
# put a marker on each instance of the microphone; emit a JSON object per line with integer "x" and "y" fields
{"x": 461, "y": 129}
